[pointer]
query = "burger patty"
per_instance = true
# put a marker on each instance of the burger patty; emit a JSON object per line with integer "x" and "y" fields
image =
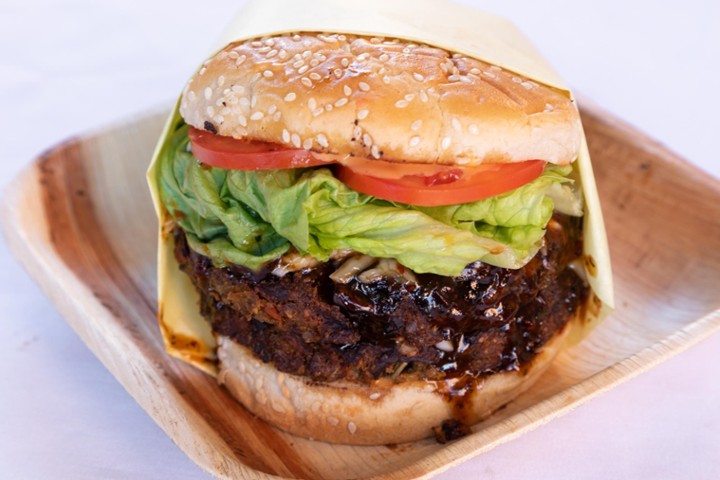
{"x": 486, "y": 320}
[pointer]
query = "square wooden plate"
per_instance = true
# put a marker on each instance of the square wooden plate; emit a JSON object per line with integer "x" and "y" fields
{"x": 81, "y": 221}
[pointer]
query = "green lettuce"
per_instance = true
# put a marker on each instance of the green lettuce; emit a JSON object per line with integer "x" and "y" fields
{"x": 252, "y": 217}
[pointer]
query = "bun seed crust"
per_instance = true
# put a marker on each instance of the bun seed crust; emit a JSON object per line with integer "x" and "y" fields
{"x": 380, "y": 99}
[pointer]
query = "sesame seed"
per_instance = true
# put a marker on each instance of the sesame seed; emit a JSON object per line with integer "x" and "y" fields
{"x": 272, "y": 53}
{"x": 465, "y": 79}
{"x": 362, "y": 114}
{"x": 352, "y": 428}
{"x": 322, "y": 140}
{"x": 328, "y": 107}
{"x": 202, "y": 71}
{"x": 409, "y": 97}
{"x": 307, "y": 53}
{"x": 219, "y": 119}
{"x": 418, "y": 77}
{"x": 386, "y": 79}
{"x": 364, "y": 86}
{"x": 384, "y": 57}
{"x": 315, "y": 76}
{"x": 342, "y": 38}
{"x": 528, "y": 85}
{"x": 210, "y": 111}
{"x": 423, "y": 96}
{"x": 517, "y": 79}
{"x": 285, "y": 135}
{"x": 233, "y": 55}
{"x": 473, "y": 129}
{"x": 268, "y": 74}
{"x": 303, "y": 69}
{"x": 192, "y": 96}
{"x": 296, "y": 37}
{"x": 256, "y": 77}
{"x": 317, "y": 112}
{"x": 375, "y": 151}
{"x": 382, "y": 71}
{"x": 314, "y": 62}
{"x": 307, "y": 144}
{"x": 495, "y": 68}
{"x": 363, "y": 56}
{"x": 333, "y": 421}
{"x": 337, "y": 72}
{"x": 549, "y": 107}
{"x": 241, "y": 59}
{"x": 242, "y": 120}
{"x": 445, "y": 143}
{"x": 277, "y": 116}
{"x": 256, "y": 43}
{"x": 282, "y": 53}
{"x": 347, "y": 90}
{"x": 415, "y": 126}
{"x": 299, "y": 63}
{"x": 341, "y": 102}
{"x": 270, "y": 41}
{"x": 290, "y": 97}
{"x": 221, "y": 80}
{"x": 306, "y": 81}
{"x": 257, "y": 116}
{"x": 367, "y": 139}
{"x": 357, "y": 132}
{"x": 401, "y": 103}
{"x": 208, "y": 93}
{"x": 345, "y": 62}
{"x": 253, "y": 101}
{"x": 406, "y": 50}
{"x": 475, "y": 71}
{"x": 244, "y": 102}
{"x": 374, "y": 396}
{"x": 238, "y": 89}
{"x": 312, "y": 104}
{"x": 272, "y": 109}
{"x": 456, "y": 124}
{"x": 219, "y": 102}
{"x": 489, "y": 74}
{"x": 264, "y": 49}
{"x": 295, "y": 139}
{"x": 454, "y": 78}
{"x": 375, "y": 40}
{"x": 415, "y": 141}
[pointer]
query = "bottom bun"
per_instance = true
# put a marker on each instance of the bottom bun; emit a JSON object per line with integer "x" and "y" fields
{"x": 386, "y": 411}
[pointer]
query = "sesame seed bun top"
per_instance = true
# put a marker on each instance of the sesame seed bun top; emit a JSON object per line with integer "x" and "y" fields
{"x": 382, "y": 99}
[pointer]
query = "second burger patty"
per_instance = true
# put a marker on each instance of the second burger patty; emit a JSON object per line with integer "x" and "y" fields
{"x": 488, "y": 319}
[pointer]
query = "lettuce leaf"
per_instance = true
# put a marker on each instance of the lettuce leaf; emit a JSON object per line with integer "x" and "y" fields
{"x": 252, "y": 217}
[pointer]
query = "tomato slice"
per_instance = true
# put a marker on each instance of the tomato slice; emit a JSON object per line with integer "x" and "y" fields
{"x": 398, "y": 182}
{"x": 447, "y": 187}
{"x": 233, "y": 154}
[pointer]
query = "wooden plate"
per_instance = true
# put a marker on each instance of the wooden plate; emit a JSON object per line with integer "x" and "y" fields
{"x": 81, "y": 221}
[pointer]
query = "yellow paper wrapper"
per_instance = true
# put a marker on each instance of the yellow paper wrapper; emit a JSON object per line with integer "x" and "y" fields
{"x": 450, "y": 26}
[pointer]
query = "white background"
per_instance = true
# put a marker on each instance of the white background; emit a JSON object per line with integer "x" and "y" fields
{"x": 73, "y": 66}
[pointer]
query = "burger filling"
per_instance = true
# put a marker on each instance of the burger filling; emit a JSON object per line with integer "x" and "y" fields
{"x": 333, "y": 284}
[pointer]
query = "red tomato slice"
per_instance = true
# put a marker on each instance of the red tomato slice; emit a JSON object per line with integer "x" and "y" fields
{"x": 449, "y": 187}
{"x": 233, "y": 154}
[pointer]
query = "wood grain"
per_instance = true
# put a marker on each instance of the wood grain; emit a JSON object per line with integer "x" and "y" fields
{"x": 81, "y": 221}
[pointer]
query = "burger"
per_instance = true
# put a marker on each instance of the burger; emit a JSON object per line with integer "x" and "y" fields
{"x": 385, "y": 237}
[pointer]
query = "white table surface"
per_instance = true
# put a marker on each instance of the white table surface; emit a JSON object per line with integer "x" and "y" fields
{"x": 67, "y": 67}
